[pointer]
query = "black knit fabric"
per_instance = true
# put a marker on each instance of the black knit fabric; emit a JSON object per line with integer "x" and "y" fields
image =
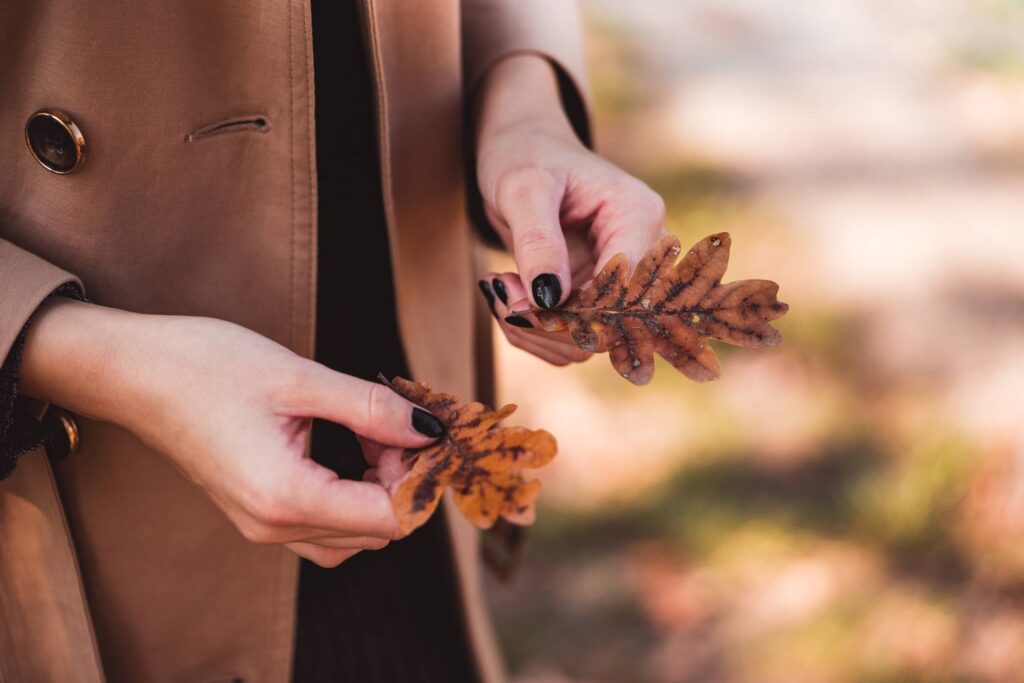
{"x": 20, "y": 432}
{"x": 394, "y": 615}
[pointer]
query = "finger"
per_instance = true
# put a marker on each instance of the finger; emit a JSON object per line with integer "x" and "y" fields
{"x": 558, "y": 343}
{"x": 327, "y": 540}
{"x": 508, "y": 290}
{"x": 530, "y": 202}
{"x": 555, "y": 351}
{"x": 581, "y": 256}
{"x": 516, "y": 309}
{"x": 525, "y": 343}
{"x": 553, "y": 347}
{"x": 628, "y": 224}
{"x": 558, "y": 339}
{"x": 392, "y": 470}
{"x": 505, "y": 288}
{"x": 512, "y": 305}
{"x": 489, "y": 296}
{"x": 341, "y": 506}
{"x": 371, "y": 449}
{"x": 526, "y": 323}
{"x": 510, "y": 297}
{"x": 325, "y": 557}
{"x": 369, "y": 409}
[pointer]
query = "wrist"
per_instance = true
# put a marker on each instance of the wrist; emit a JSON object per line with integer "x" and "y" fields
{"x": 519, "y": 92}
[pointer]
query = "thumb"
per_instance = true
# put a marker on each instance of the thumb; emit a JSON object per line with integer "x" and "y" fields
{"x": 530, "y": 203}
{"x": 369, "y": 409}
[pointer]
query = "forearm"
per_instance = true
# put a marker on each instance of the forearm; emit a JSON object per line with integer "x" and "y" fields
{"x": 78, "y": 355}
{"x": 519, "y": 90}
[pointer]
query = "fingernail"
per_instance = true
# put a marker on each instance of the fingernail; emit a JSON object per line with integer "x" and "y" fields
{"x": 518, "y": 321}
{"x": 499, "y": 289}
{"x": 489, "y": 295}
{"x": 426, "y": 424}
{"x": 547, "y": 290}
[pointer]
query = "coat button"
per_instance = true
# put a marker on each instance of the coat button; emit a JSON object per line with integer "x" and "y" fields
{"x": 56, "y": 142}
{"x": 70, "y": 431}
{"x": 62, "y": 434}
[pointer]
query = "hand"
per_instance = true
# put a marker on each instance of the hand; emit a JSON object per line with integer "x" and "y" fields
{"x": 232, "y": 410}
{"x": 563, "y": 211}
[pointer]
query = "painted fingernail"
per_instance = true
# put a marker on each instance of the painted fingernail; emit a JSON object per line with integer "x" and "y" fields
{"x": 499, "y": 289}
{"x": 518, "y": 321}
{"x": 426, "y": 424}
{"x": 485, "y": 289}
{"x": 547, "y": 290}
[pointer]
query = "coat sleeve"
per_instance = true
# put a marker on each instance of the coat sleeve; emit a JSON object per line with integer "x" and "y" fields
{"x": 494, "y": 29}
{"x": 25, "y": 282}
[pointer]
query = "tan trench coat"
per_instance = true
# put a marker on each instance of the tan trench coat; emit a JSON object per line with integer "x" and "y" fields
{"x": 112, "y": 566}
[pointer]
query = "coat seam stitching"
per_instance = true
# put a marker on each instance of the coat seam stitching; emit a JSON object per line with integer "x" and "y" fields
{"x": 291, "y": 149}
{"x": 277, "y": 613}
{"x": 310, "y": 151}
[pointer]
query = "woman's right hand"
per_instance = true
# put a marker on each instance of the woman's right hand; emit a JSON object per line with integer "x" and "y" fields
{"x": 232, "y": 410}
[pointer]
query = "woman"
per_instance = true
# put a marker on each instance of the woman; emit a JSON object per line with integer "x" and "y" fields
{"x": 232, "y": 234}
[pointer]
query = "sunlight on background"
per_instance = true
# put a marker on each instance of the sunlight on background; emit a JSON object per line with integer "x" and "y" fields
{"x": 848, "y": 506}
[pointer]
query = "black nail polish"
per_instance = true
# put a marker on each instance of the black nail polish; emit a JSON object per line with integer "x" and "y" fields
{"x": 489, "y": 295}
{"x": 518, "y": 321}
{"x": 547, "y": 290}
{"x": 499, "y": 289}
{"x": 426, "y": 424}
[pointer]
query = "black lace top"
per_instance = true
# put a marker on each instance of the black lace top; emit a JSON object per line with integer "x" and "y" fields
{"x": 20, "y": 431}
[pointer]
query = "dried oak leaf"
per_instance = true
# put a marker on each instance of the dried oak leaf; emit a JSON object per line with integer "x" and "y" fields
{"x": 669, "y": 308}
{"x": 482, "y": 463}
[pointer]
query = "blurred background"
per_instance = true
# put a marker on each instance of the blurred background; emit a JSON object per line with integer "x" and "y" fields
{"x": 848, "y": 506}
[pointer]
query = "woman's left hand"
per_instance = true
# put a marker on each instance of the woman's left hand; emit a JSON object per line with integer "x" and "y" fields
{"x": 561, "y": 210}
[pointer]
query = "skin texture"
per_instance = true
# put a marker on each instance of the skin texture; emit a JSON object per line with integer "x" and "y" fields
{"x": 243, "y": 438}
{"x": 557, "y": 206}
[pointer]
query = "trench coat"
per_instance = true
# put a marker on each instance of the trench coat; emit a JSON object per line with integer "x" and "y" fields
{"x": 197, "y": 196}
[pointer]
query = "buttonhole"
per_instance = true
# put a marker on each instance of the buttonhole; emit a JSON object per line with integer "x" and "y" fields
{"x": 255, "y": 122}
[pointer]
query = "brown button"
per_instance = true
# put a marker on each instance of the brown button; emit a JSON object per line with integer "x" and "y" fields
{"x": 61, "y": 432}
{"x": 71, "y": 430}
{"x": 56, "y": 142}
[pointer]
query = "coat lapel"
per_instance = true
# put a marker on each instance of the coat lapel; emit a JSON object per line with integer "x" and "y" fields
{"x": 414, "y": 51}
{"x": 417, "y": 72}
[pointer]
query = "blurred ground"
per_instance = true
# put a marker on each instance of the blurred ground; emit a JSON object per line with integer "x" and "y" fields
{"x": 850, "y": 505}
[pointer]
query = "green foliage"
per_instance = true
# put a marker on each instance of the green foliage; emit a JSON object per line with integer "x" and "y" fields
{"x": 699, "y": 506}
{"x": 909, "y": 507}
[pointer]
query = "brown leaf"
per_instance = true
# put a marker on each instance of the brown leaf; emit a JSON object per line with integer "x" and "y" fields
{"x": 482, "y": 462}
{"x": 670, "y": 309}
